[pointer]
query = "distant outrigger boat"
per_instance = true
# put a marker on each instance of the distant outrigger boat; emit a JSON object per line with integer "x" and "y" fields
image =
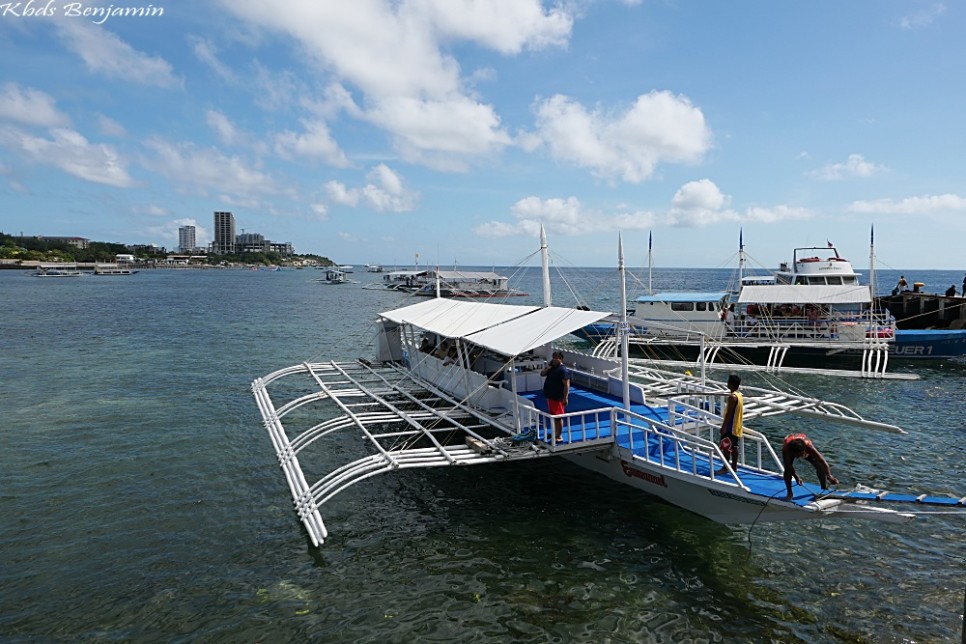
{"x": 466, "y": 285}
{"x": 334, "y": 276}
{"x": 113, "y": 269}
{"x": 57, "y": 270}
{"x": 406, "y": 280}
{"x": 457, "y": 383}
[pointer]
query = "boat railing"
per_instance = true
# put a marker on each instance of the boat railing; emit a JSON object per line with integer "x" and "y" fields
{"x": 686, "y": 443}
{"x": 700, "y": 414}
{"x": 841, "y": 326}
{"x": 683, "y": 448}
{"x": 584, "y": 428}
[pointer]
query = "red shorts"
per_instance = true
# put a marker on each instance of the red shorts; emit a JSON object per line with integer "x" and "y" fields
{"x": 556, "y": 407}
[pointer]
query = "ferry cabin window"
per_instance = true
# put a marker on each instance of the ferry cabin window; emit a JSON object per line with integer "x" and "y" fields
{"x": 682, "y": 306}
{"x": 834, "y": 279}
{"x": 701, "y": 306}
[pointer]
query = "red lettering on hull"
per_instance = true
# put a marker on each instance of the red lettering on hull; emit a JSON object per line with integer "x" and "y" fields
{"x": 656, "y": 479}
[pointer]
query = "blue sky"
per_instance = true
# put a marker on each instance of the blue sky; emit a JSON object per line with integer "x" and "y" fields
{"x": 369, "y": 131}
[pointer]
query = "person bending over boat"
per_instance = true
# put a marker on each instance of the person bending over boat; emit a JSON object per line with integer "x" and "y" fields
{"x": 732, "y": 423}
{"x": 799, "y": 446}
{"x": 556, "y": 388}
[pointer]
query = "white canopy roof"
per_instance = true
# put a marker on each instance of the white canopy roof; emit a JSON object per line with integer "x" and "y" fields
{"x": 804, "y": 294}
{"x": 508, "y": 329}
{"x": 455, "y": 318}
{"x": 534, "y": 329}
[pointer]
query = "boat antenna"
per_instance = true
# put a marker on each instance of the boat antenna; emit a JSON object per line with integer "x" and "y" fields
{"x": 650, "y": 261}
{"x": 622, "y": 328}
{"x": 545, "y": 266}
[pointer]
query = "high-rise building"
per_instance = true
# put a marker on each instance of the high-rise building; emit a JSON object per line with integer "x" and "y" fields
{"x": 186, "y": 239}
{"x": 224, "y": 233}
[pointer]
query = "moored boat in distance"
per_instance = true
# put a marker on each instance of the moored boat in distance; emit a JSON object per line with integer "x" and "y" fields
{"x": 928, "y": 325}
{"x": 113, "y": 269}
{"x": 811, "y": 310}
{"x": 458, "y": 383}
{"x": 405, "y": 280}
{"x": 333, "y": 276}
{"x": 57, "y": 269}
{"x": 466, "y": 284}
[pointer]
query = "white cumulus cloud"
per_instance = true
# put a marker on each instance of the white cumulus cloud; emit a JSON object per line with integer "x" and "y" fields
{"x": 924, "y": 205}
{"x": 30, "y": 106}
{"x": 659, "y": 127}
{"x": 105, "y": 53}
{"x": 854, "y": 166}
{"x": 392, "y": 54}
{"x": 71, "y": 152}
{"x": 385, "y": 191}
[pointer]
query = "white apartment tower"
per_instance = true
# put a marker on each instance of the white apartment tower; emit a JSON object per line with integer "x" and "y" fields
{"x": 224, "y": 233}
{"x": 186, "y": 239}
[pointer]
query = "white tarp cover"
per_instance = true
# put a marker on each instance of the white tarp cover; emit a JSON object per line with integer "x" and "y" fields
{"x": 456, "y": 318}
{"x": 534, "y": 329}
{"x": 804, "y": 294}
{"x": 508, "y": 329}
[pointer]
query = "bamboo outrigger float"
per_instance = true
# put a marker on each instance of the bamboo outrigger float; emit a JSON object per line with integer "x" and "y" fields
{"x": 457, "y": 383}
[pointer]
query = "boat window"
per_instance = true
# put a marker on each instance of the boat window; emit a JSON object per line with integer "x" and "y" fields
{"x": 834, "y": 279}
{"x": 801, "y": 279}
{"x": 849, "y": 279}
{"x": 702, "y": 306}
{"x": 682, "y": 306}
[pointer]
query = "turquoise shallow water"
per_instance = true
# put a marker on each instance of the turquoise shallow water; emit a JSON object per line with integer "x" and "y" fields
{"x": 140, "y": 498}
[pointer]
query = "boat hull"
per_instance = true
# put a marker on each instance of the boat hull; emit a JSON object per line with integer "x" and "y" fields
{"x": 925, "y": 344}
{"x": 720, "y": 503}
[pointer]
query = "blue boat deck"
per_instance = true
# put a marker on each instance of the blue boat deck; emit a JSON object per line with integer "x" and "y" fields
{"x": 650, "y": 446}
{"x": 670, "y": 453}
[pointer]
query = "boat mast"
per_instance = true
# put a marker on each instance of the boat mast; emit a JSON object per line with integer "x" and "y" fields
{"x": 872, "y": 265}
{"x": 545, "y": 265}
{"x": 741, "y": 256}
{"x": 623, "y": 328}
{"x": 650, "y": 261}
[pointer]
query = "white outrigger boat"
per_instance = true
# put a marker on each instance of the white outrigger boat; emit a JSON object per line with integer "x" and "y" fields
{"x": 334, "y": 276}
{"x": 457, "y": 383}
{"x": 57, "y": 270}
